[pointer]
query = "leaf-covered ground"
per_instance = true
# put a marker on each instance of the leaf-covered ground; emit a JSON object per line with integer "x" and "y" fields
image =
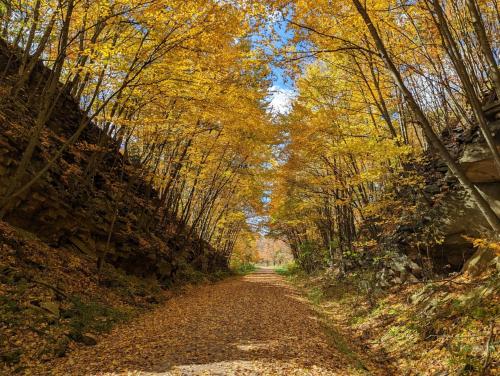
{"x": 446, "y": 327}
{"x": 51, "y": 302}
{"x": 253, "y": 325}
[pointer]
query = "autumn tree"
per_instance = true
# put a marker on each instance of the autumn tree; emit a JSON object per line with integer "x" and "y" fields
{"x": 377, "y": 84}
{"x": 175, "y": 86}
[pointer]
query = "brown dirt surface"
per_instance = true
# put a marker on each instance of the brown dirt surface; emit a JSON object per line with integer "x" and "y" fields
{"x": 252, "y": 325}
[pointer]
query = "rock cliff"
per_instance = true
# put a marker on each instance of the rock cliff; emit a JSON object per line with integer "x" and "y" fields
{"x": 446, "y": 218}
{"x": 70, "y": 208}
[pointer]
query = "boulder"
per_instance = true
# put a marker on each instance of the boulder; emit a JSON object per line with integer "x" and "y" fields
{"x": 480, "y": 261}
{"x": 456, "y": 218}
{"x": 478, "y": 164}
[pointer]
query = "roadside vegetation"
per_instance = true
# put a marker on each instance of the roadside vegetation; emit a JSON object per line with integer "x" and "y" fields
{"x": 243, "y": 269}
{"x": 428, "y": 328}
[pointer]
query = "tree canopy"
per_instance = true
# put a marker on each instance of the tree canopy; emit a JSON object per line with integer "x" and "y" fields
{"x": 182, "y": 87}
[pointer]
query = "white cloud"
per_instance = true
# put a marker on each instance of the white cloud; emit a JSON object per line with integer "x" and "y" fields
{"x": 280, "y": 100}
{"x": 275, "y": 16}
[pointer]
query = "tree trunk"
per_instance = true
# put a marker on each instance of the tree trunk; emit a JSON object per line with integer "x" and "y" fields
{"x": 461, "y": 69}
{"x": 434, "y": 140}
{"x": 480, "y": 30}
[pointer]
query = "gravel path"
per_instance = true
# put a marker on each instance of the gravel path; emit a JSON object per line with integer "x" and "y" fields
{"x": 252, "y": 325}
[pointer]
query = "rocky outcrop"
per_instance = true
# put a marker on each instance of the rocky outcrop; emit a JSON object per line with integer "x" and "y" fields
{"x": 112, "y": 213}
{"x": 446, "y": 218}
{"x": 478, "y": 164}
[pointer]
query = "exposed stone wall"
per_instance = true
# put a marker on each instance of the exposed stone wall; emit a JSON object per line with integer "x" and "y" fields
{"x": 447, "y": 213}
{"x": 66, "y": 209}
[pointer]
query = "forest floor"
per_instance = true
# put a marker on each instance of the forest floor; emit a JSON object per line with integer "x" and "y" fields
{"x": 251, "y": 325}
{"x": 445, "y": 327}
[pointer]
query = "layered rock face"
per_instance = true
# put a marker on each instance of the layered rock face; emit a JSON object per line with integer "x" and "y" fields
{"x": 448, "y": 214}
{"x": 112, "y": 213}
{"x": 478, "y": 162}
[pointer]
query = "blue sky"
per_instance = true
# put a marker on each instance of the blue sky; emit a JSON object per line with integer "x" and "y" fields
{"x": 284, "y": 36}
{"x": 281, "y": 94}
{"x": 282, "y": 89}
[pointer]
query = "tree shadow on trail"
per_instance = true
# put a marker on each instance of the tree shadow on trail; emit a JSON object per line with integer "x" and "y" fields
{"x": 252, "y": 323}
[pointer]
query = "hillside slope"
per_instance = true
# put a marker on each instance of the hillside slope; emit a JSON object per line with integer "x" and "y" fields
{"x": 71, "y": 208}
{"x": 80, "y": 251}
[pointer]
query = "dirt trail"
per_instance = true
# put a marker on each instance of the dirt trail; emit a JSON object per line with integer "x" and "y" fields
{"x": 253, "y": 325}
